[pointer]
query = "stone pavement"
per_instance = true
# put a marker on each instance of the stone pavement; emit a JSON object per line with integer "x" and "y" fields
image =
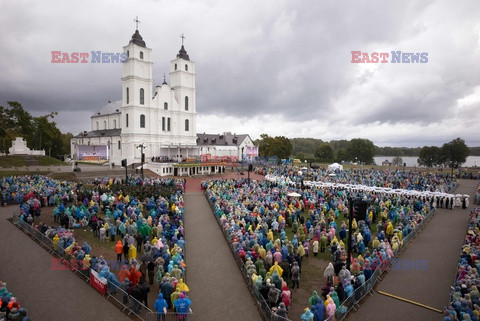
{"x": 217, "y": 288}
{"x": 440, "y": 245}
{"x": 45, "y": 293}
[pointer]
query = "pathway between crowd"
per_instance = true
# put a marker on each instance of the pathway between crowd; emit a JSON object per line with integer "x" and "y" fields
{"x": 45, "y": 293}
{"x": 217, "y": 288}
{"x": 439, "y": 244}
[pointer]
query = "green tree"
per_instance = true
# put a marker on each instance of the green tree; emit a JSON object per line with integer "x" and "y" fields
{"x": 430, "y": 156}
{"x": 324, "y": 153}
{"x": 455, "y": 153}
{"x": 341, "y": 156}
{"x": 361, "y": 150}
{"x": 279, "y": 146}
{"x": 39, "y": 132}
{"x": 397, "y": 161}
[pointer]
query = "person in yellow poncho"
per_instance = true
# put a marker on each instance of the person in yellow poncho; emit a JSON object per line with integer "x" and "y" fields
{"x": 276, "y": 267}
{"x": 181, "y": 286}
{"x": 132, "y": 252}
{"x": 270, "y": 235}
{"x": 55, "y": 242}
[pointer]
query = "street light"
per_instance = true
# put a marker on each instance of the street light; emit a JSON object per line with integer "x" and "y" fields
{"x": 142, "y": 146}
{"x": 300, "y": 173}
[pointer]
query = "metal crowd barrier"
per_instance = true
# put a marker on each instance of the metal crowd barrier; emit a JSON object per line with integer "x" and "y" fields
{"x": 126, "y": 302}
{"x": 169, "y": 316}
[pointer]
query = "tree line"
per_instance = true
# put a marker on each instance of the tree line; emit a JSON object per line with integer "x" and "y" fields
{"x": 39, "y": 132}
{"x": 359, "y": 150}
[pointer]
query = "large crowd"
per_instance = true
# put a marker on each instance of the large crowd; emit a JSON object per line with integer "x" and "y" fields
{"x": 273, "y": 233}
{"x": 10, "y": 309}
{"x": 146, "y": 232}
{"x": 395, "y": 179}
{"x": 465, "y": 296}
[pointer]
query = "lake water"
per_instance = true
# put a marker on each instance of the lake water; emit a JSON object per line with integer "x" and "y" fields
{"x": 412, "y": 161}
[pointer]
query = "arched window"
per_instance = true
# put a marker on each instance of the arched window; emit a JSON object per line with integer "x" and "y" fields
{"x": 128, "y": 96}
{"x": 186, "y": 67}
{"x": 186, "y": 102}
{"x": 126, "y": 120}
{"x": 114, "y": 124}
{"x": 142, "y": 96}
{"x": 96, "y": 124}
{"x": 175, "y": 66}
{"x": 104, "y": 124}
{"x": 163, "y": 123}
{"x": 165, "y": 105}
{"x": 168, "y": 124}
{"x": 141, "y": 54}
{"x": 142, "y": 121}
{"x": 128, "y": 53}
{"x": 187, "y": 125}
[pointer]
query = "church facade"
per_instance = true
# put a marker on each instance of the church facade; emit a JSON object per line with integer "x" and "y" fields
{"x": 159, "y": 121}
{"x": 162, "y": 120}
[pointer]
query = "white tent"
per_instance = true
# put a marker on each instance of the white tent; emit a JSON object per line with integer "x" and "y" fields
{"x": 335, "y": 166}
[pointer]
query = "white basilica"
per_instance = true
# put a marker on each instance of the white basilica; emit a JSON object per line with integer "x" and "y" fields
{"x": 161, "y": 122}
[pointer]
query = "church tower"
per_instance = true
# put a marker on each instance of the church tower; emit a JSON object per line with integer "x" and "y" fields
{"x": 137, "y": 80}
{"x": 182, "y": 81}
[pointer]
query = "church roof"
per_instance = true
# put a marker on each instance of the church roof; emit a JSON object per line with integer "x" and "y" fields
{"x": 138, "y": 40}
{"x": 218, "y": 139}
{"x": 111, "y": 107}
{"x": 100, "y": 133}
{"x": 183, "y": 54}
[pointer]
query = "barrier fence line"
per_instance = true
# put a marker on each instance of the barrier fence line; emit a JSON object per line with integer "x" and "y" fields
{"x": 353, "y": 300}
{"x": 128, "y": 302}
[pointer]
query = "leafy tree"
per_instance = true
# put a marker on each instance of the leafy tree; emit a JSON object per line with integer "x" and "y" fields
{"x": 341, "y": 156}
{"x": 455, "y": 153}
{"x": 324, "y": 153}
{"x": 279, "y": 146}
{"x": 361, "y": 150}
{"x": 397, "y": 161}
{"x": 430, "y": 156}
{"x": 38, "y": 132}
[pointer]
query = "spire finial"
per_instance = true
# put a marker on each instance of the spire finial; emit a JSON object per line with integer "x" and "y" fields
{"x": 164, "y": 80}
{"x": 136, "y": 22}
{"x": 183, "y": 37}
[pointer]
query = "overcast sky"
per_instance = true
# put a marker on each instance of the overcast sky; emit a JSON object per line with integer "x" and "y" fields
{"x": 272, "y": 66}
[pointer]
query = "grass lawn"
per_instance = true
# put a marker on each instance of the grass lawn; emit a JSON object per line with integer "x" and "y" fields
{"x": 19, "y": 161}
{"x": 11, "y": 161}
{"x": 49, "y": 161}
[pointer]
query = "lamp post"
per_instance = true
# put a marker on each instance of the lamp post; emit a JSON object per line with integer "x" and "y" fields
{"x": 349, "y": 240}
{"x": 142, "y": 146}
{"x": 300, "y": 174}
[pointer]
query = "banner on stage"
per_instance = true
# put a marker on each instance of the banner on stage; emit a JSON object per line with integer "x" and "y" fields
{"x": 252, "y": 151}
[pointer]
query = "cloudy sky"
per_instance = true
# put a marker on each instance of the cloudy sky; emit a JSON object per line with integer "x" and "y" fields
{"x": 272, "y": 66}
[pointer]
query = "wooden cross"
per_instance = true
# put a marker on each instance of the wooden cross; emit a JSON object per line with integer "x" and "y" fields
{"x": 183, "y": 37}
{"x": 136, "y": 21}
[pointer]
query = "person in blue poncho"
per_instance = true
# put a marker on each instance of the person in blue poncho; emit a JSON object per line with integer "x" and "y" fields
{"x": 182, "y": 306}
{"x": 160, "y": 307}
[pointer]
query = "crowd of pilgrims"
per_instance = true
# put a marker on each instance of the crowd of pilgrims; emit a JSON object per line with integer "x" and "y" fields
{"x": 10, "y": 309}
{"x": 257, "y": 215}
{"x": 147, "y": 232}
{"x": 465, "y": 296}
{"x": 395, "y": 179}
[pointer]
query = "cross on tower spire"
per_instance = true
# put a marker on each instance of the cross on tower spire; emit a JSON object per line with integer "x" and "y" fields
{"x": 183, "y": 37}
{"x": 136, "y": 21}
